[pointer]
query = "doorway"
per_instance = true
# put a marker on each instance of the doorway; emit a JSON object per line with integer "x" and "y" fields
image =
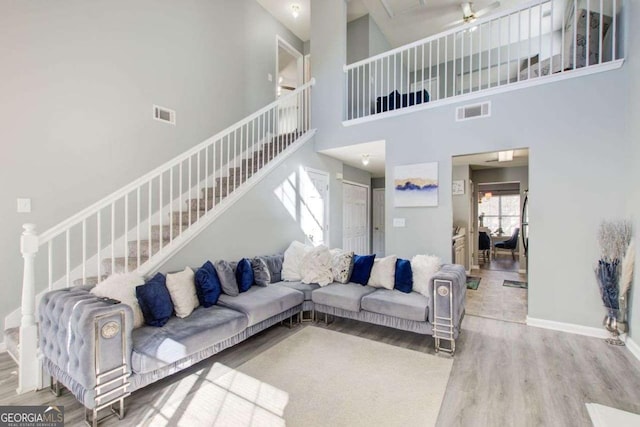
{"x": 355, "y": 217}
{"x": 289, "y": 67}
{"x": 488, "y": 201}
{"x": 378, "y": 203}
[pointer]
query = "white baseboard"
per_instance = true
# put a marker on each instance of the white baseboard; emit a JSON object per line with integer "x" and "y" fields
{"x": 568, "y": 327}
{"x": 633, "y": 347}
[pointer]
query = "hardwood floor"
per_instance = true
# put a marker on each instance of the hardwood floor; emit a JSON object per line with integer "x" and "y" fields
{"x": 504, "y": 374}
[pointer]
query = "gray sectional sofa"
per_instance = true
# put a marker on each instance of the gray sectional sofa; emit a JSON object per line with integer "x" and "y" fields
{"x": 89, "y": 346}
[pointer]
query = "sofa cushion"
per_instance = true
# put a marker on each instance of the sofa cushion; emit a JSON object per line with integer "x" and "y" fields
{"x": 383, "y": 272}
{"x": 274, "y": 262}
{"x": 208, "y": 285}
{"x": 316, "y": 266}
{"x": 155, "y": 301}
{"x": 423, "y": 268}
{"x": 244, "y": 275}
{"x": 362, "y": 265}
{"x": 412, "y": 306}
{"x": 305, "y": 288}
{"x": 260, "y": 303}
{"x": 154, "y": 348}
{"x": 292, "y": 263}
{"x": 122, "y": 287}
{"x": 261, "y": 274}
{"x": 341, "y": 265}
{"x": 226, "y": 274}
{"x": 182, "y": 288}
{"x": 403, "y": 276}
{"x": 346, "y": 297}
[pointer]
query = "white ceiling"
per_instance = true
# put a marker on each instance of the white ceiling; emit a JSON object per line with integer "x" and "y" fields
{"x": 352, "y": 156}
{"x": 488, "y": 160}
{"x": 410, "y": 22}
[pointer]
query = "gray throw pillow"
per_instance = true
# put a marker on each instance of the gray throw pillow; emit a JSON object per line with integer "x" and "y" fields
{"x": 261, "y": 275}
{"x": 227, "y": 276}
{"x": 274, "y": 263}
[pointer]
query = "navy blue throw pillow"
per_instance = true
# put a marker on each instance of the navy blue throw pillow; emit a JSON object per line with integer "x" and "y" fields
{"x": 244, "y": 275}
{"x": 208, "y": 287}
{"x": 404, "y": 276}
{"x": 362, "y": 265}
{"x": 155, "y": 301}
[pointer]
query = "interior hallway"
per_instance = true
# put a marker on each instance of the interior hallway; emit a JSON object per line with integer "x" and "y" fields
{"x": 495, "y": 301}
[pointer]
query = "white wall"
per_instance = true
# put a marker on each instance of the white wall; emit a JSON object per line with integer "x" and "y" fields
{"x": 259, "y": 224}
{"x": 77, "y": 84}
{"x": 576, "y": 132}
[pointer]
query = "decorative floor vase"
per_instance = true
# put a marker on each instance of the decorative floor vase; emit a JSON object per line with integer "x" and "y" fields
{"x": 613, "y": 326}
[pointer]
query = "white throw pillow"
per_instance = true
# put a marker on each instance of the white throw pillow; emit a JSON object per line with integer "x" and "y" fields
{"x": 182, "y": 289}
{"x": 123, "y": 288}
{"x": 423, "y": 268}
{"x": 341, "y": 265}
{"x": 383, "y": 273}
{"x": 293, "y": 261}
{"x": 316, "y": 266}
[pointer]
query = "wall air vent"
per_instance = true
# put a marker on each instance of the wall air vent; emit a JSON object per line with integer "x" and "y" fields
{"x": 473, "y": 111}
{"x": 164, "y": 114}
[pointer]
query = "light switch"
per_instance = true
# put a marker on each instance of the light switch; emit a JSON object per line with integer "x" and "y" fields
{"x": 399, "y": 222}
{"x": 270, "y": 77}
{"x": 24, "y": 205}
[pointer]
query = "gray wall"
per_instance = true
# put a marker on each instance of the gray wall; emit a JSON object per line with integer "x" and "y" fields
{"x": 461, "y": 207}
{"x": 356, "y": 175}
{"x": 633, "y": 68}
{"x": 364, "y": 39}
{"x": 259, "y": 224}
{"x": 378, "y": 43}
{"x": 76, "y": 97}
{"x": 377, "y": 182}
{"x": 576, "y": 131}
{"x": 358, "y": 39}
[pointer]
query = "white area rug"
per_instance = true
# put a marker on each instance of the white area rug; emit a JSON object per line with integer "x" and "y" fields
{"x": 336, "y": 379}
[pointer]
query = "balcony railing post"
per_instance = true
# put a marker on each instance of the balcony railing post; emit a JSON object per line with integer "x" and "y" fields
{"x": 29, "y": 378}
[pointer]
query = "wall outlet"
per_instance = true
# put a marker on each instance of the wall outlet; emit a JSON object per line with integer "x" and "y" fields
{"x": 399, "y": 222}
{"x": 24, "y": 206}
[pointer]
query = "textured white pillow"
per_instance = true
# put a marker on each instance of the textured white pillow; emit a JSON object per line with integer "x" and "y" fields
{"x": 383, "y": 273}
{"x": 182, "y": 289}
{"x": 293, "y": 260}
{"x": 424, "y": 267}
{"x": 341, "y": 265}
{"x": 316, "y": 266}
{"x": 123, "y": 288}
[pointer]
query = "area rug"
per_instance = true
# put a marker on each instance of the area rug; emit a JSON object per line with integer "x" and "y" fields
{"x": 515, "y": 284}
{"x": 473, "y": 282}
{"x": 337, "y": 379}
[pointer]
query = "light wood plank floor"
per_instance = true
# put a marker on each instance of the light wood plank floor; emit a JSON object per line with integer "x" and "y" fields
{"x": 504, "y": 374}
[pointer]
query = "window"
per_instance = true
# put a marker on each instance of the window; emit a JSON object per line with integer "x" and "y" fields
{"x": 501, "y": 212}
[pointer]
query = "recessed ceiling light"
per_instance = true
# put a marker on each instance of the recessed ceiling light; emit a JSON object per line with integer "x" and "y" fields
{"x": 295, "y": 10}
{"x": 365, "y": 159}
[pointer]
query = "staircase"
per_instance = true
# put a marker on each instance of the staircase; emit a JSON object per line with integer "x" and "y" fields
{"x": 139, "y": 227}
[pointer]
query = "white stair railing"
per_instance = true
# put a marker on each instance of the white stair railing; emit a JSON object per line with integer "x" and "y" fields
{"x": 133, "y": 228}
{"x": 528, "y": 44}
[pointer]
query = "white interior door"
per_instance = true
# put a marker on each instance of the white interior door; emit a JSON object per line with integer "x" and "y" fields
{"x": 314, "y": 209}
{"x": 355, "y": 218}
{"x": 378, "y": 221}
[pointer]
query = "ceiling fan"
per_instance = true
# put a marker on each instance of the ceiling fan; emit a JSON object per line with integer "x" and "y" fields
{"x": 469, "y": 15}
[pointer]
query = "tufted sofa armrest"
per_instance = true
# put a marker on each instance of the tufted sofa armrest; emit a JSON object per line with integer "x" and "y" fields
{"x": 448, "y": 303}
{"x": 81, "y": 339}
